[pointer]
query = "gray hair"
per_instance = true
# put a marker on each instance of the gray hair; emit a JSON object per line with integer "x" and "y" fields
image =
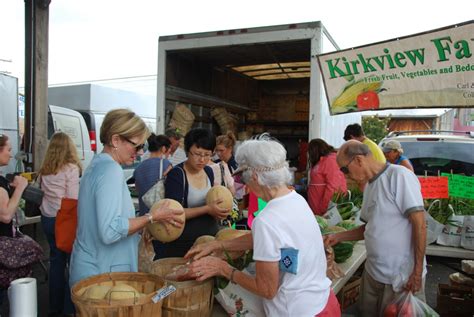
{"x": 355, "y": 148}
{"x": 266, "y": 157}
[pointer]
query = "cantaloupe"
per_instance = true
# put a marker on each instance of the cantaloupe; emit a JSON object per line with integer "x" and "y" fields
{"x": 122, "y": 291}
{"x": 204, "y": 239}
{"x": 97, "y": 291}
{"x": 220, "y": 192}
{"x": 229, "y": 233}
{"x": 165, "y": 232}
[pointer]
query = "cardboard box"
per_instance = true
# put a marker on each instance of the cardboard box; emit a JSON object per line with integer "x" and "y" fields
{"x": 349, "y": 294}
{"x": 455, "y": 300}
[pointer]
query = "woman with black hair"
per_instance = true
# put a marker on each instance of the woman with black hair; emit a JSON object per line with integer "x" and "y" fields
{"x": 152, "y": 169}
{"x": 188, "y": 183}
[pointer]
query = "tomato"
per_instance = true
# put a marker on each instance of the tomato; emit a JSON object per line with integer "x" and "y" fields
{"x": 406, "y": 310}
{"x": 390, "y": 311}
{"x": 368, "y": 100}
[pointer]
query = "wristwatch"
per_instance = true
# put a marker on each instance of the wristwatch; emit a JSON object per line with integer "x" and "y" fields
{"x": 150, "y": 218}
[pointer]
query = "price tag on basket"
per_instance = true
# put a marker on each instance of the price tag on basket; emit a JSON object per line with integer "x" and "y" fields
{"x": 163, "y": 292}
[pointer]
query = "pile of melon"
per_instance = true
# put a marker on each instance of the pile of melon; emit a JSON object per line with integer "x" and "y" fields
{"x": 164, "y": 231}
{"x": 109, "y": 292}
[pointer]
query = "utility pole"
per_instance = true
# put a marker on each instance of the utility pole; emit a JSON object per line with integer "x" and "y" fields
{"x": 36, "y": 81}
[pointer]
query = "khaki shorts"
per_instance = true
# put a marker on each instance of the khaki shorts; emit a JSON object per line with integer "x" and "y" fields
{"x": 375, "y": 296}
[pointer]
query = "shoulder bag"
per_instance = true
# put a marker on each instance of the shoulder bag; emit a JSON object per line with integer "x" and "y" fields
{"x": 32, "y": 206}
{"x": 17, "y": 256}
{"x": 157, "y": 191}
{"x": 66, "y": 225}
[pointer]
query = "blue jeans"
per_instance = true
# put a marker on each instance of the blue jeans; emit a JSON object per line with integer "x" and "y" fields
{"x": 59, "y": 291}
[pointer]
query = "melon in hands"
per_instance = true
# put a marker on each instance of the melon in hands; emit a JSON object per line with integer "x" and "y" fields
{"x": 204, "y": 239}
{"x": 165, "y": 232}
{"x": 229, "y": 234}
{"x": 220, "y": 192}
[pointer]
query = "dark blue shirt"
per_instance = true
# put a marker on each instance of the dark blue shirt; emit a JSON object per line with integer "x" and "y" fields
{"x": 146, "y": 175}
{"x": 195, "y": 227}
{"x": 232, "y": 163}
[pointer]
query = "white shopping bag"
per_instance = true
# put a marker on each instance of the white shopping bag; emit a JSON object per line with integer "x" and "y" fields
{"x": 332, "y": 215}
{"x": 237, "y": 301}
{"x": 451, "y": 234}
{"x": 433, "y": 229}
{"x": 467, "y": 235}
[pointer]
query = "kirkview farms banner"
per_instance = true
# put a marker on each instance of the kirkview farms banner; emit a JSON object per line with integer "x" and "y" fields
{"x": 432, "y": 69}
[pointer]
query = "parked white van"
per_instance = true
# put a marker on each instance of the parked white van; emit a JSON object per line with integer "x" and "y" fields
{"x": 72, "y": 123}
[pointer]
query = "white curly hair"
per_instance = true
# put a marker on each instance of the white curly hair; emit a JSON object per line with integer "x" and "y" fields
{"x": 266, "y": 157}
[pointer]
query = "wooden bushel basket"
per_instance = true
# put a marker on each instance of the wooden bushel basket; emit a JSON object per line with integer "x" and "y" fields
{"x": 191, "y": 299}
{"x": 141, "y": 306}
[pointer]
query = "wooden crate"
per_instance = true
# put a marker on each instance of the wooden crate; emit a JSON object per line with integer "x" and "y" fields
{"x": 455, "y": 300}
{"x": 349, "y": 294}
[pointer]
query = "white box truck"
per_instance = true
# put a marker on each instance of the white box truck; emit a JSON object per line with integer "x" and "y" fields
{"x": 94, "y": 101}
{"x": 267, "y": 76}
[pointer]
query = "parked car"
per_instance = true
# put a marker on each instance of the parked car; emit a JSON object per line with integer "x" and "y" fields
{"x": 436, "y": 152}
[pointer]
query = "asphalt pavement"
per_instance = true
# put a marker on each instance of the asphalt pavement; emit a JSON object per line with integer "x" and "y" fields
{"x": 439, "y": 269}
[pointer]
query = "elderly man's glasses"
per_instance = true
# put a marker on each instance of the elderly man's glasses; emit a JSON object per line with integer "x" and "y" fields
{"x": 206, "y": 156}
{"x": 138, "y": 147}
{"x": 345, "y": 169}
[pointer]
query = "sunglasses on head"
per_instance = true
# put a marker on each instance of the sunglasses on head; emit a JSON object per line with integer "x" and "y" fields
{"x": 138, "y": 147}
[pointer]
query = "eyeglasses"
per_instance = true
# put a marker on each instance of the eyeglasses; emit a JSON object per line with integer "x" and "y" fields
{"x": 206, "y": 156}
{"x": 138, "y": 147}
{"x": 345, "y": 169}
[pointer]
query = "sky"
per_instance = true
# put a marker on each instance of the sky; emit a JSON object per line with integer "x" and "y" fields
{"x": 92, "y": 40}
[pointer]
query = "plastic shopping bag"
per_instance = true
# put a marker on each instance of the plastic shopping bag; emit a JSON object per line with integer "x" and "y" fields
{"x": 433, "y": 229}
{"x": 408, "y": 305}
{"x": 237, "y": 301}
{"x": 467, "y": 235}
{"x": 451, "y": 234}
{"x": 332, "y": 214}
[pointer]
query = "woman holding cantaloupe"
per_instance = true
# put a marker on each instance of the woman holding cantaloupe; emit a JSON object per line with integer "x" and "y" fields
{"x": 107, "y": 239}
{"x": 188, "y": 183}
{"x": 287, "y": 244}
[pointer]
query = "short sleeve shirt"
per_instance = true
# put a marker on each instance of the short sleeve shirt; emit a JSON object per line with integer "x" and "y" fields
{"x": 389, "y": 198}
{"x": 287, "y": 222}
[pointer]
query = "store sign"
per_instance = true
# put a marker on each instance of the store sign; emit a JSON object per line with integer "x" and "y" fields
{"x": 432, "y": 69}
{"x": 460, "y": 186}
{"x": 434, "y": 187}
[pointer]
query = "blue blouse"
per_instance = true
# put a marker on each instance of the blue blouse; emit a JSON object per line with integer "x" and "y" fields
{"x": 104, "y": 208}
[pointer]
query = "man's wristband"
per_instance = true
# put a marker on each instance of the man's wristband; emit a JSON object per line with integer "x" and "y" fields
{"x": 232, "y": 275}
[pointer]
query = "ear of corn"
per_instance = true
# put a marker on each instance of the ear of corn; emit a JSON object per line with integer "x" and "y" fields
{"x": 349, "y": 95}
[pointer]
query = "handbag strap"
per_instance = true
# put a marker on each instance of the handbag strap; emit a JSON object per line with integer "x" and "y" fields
{"x": 222, "y": 174}
{"x": 184, "y": 184}
{"x": 161, "y": 169}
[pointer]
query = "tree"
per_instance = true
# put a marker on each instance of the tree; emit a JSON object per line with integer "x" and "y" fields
{"x": 375, "y": 128}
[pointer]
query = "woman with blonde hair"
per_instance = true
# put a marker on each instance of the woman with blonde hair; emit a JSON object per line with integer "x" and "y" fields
{"x": 106, "y": 239}
{"x": 59, "y": 178}
{"x": 225, "y": 150}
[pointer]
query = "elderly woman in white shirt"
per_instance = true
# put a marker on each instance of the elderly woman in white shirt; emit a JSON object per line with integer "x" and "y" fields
{"x": 59, "y": 178}
{"x": 286, "y": 241}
